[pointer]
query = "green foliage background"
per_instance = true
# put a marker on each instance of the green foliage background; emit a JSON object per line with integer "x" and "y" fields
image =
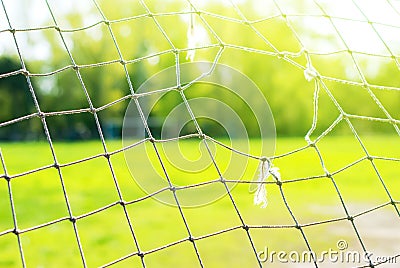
{"x": 284, "y": 85}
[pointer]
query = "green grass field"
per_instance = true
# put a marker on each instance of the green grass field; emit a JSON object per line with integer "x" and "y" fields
{"x": 105, "y": 236}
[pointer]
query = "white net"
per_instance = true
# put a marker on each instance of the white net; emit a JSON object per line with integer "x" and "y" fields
{"x": 329, "y": 71}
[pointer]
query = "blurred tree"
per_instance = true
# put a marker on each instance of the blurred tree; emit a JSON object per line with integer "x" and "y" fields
{"x": 138, "y": 39}
{"x": 15, "y": 100}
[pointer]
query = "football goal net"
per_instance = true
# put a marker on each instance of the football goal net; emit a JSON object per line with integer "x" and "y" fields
{"x": 232, "y": 133}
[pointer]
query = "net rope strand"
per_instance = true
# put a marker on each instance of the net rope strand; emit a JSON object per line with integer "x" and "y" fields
{"x": 320, "y": 85}
{"x": 14, "y": 215}
{"x": 313, "y": 145}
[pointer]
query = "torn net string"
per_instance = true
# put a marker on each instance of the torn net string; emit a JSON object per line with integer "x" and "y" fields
{"x": 266, "y": 167}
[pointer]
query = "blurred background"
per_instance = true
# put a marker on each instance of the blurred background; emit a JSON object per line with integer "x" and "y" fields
{"x": 250, "y": 47}
{"x": 345, "y": 187}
